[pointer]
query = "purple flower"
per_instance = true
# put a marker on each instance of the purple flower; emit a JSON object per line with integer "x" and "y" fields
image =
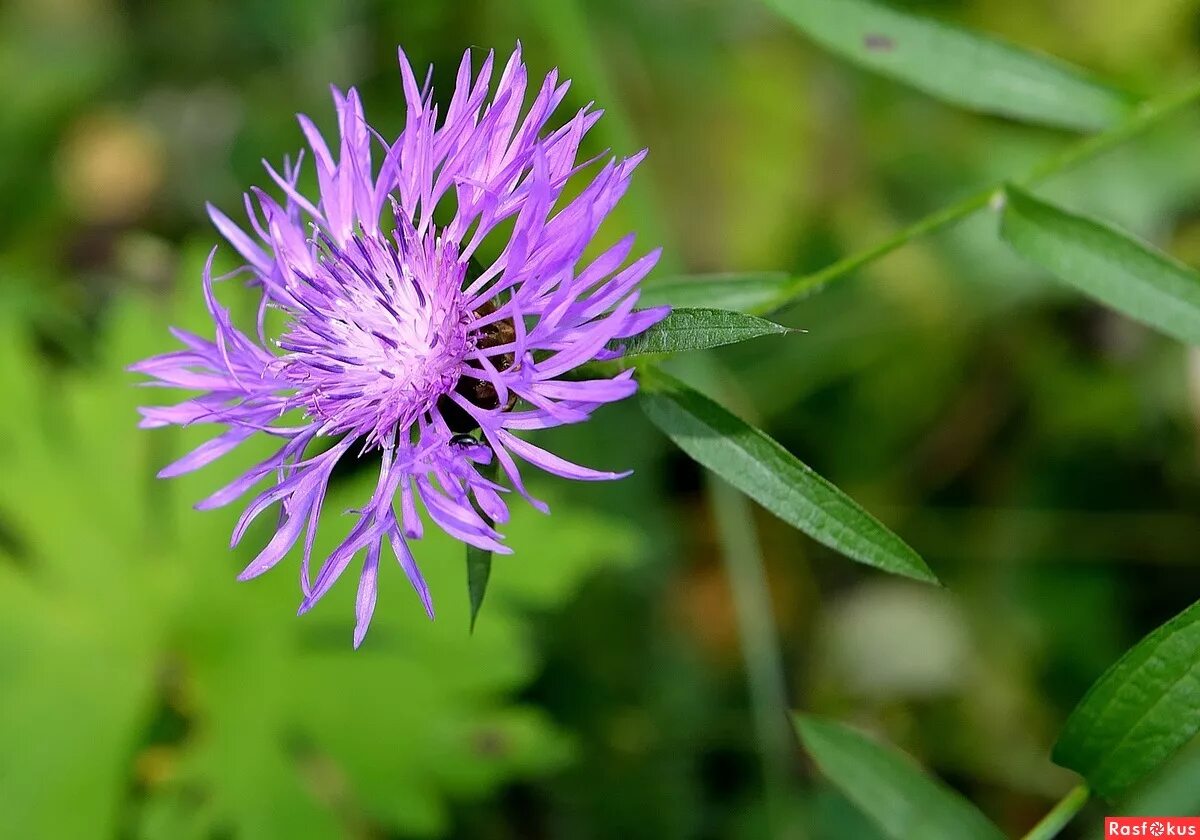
{"x": 394, "y": 345}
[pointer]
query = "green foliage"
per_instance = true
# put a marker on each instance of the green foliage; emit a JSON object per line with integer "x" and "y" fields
{"x": 773, "y": 477}
{"x": 956, "y": 65}
{"x": 479, "y": 560}
{"x": 1043, "y": 455}
{"x": 1140, "y": 712}
{"x": 698, "y": 329}
{"x": 1106, "y": 264}
{"x": 1174, "y": 789}
{"x": 479, "y": 571}
{"x": 126, "y": 639}
{"x": 736, "y": 292}
{"x": 889, "y": 788}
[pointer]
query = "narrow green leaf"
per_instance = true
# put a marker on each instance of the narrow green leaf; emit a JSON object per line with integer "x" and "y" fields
{"x": 889, "y": 787}
{"x": 737, "y": 292}
{"x": 958, "y": 66}
{"x": 1105, "y": 264}
{"x": 479, "y": 561}
{"x": 1143, "y": 709}
{"x": 766, "y": 472}
{"x": 479, "y": 569}
{"x": 697, "y": 329}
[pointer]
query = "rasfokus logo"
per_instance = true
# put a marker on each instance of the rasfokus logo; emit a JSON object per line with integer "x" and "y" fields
{"x": 1152, "y": 827}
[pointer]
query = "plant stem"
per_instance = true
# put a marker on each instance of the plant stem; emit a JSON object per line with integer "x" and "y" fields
{"x": 756, "y": 632}
{"x": 741, "y": 556}
{"x": 1143, "y": 117}
{"x": 1059, "y": 815}
{"x": 801, "y": 287}
{"x": 565, "y": 23}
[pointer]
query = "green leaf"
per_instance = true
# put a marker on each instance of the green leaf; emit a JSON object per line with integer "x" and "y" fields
{"x": 1143, "y": 709}
{"x": 766, "y": 472}
{"x": 697, "y": 329}
{"x": 958, "y": 66}
{"x": 737, "y": 292}
{"x": 209, "y": 698}
{"x": 479, "y": 560}
{"x": 1105, "y": 264}
{"x": 1173, "y": 789}
{"x": 479, "y": 569}
{"x": 889, "y": 787}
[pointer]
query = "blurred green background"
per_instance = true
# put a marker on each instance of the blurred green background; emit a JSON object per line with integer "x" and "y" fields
{"x": 1040, "y": 452}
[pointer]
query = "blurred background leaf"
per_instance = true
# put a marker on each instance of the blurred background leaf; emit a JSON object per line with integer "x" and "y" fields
{"x": 903, "y": 802}
{"x": 1104, "y": 263}
{"x": 1039, "y": 451}
{"x": 128, "y": 643}
{"x": 965, "y": 68}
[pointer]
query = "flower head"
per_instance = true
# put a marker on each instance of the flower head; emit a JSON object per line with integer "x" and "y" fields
{"x": 399, "y": 344}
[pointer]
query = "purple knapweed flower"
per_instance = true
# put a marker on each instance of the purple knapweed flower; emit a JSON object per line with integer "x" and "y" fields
{"x": 398, "y": 341}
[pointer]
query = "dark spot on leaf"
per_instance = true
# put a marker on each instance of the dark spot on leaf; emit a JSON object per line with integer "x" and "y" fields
{"x": 878, "y": 43}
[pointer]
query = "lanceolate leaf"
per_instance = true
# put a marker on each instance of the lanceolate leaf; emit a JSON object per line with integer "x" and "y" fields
{"x": 479, "y": 560}
{"x": 1142, "y": 710}
{"x": 698, "y": 329}
{"x": 479, "y": 569}
{"x": 738, "y": 292}
{"x": 772, "y": 476}
{"x": 955, "y": 65}
{"x": 889, "y": 788}
{"x": 1106, "y": 264}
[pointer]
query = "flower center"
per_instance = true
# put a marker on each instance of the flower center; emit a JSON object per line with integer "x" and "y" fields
{"x": 379, "y": 332}
{"x": 480, "y": 392}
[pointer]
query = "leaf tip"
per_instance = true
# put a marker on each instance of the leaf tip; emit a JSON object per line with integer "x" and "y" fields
{"x": 924, "y": 574}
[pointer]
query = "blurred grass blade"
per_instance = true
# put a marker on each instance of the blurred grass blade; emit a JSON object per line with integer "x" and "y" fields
{"x": 1105, "y": 264}
{"x": 697, "y": 329}
{"x": 737, "y": 292}
{"x": 1143, "y": 709}
{"x": 479, "y": 560}
{"x": 958, "y": 66}
{"x": 889, "y": 788}
{"x": 773, "y": 477}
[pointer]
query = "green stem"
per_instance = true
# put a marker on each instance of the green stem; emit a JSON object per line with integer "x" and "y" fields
{"x": 1143, "y": 117}
{"x": 742, "y": 556}
{"x": 1060, "y": 815}
{"x": 565, "y": 24}
{"x": 758, "y": 636}
{"x": 801, "y": 287}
